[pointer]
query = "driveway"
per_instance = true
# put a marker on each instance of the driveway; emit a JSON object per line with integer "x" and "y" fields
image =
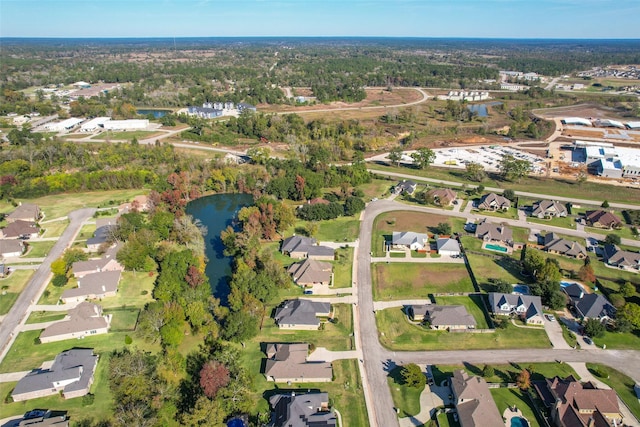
{"x": 554, "y": 332}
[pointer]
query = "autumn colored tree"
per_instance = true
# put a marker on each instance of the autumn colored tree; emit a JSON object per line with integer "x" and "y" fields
{"x": 194, "y": 277}
{"x": 586, "y": 273}
{"x": 213, "y": 377}
{"x": 524, "y": 380}
{"x": 299, "y": 184}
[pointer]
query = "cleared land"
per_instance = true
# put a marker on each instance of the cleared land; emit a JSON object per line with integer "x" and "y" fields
{"x": 411, "y": 280}
{"x": 396, "y": 333}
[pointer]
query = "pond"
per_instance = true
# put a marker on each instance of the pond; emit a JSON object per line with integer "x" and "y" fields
{"x": 156, "y": 113}
{"x": 217, "y": 212}
{"x": 481, "y": 110}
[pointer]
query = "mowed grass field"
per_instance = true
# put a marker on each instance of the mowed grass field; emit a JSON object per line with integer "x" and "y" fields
{"x": 11, "y": 287}
{"x": 396, "y": 333}
{"x": 416, "y": 280}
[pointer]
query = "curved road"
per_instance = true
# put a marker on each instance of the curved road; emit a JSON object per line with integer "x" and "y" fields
{"x": 38, "y": 282}
{"x": 378, "y": 360}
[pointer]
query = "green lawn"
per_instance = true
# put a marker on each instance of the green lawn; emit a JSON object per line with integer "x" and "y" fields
{"x": 39, "y": 249}
{"x": 128, "y": 135}
{"x": 395, "y": 281}
{"x": 511, "y": 213}
{"x": 124, "y": 319}
{"x": 564, "y": 222}
{"x": 445, "y": 419}
{"x": 86, "y": 232}
{"x": 510, "y": 397}
{"x": 376, "y": 188}
{"x": 343, "y": 229}
{"x": 474, "y": 306}
{"x": 99, "y": 410}
{"x": 55, "y": 228}
{"x": 11, "y": 287}
{"x": 487, "y": 269}
{"x": 619, "y": 340}
{"x": 555, "y": 187}
{"x": 405, "y": 398}
{"x": 334, "y": 336}
{"x": 396, "y": 333}
{"x": 343, "y": 268}
{"x": 622, "y": 384}
{"x": 134, "y": 291}
{"x": 45, "y": 316}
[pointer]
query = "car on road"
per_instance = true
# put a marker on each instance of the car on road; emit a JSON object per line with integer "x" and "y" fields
{"x": 587, "y": 340}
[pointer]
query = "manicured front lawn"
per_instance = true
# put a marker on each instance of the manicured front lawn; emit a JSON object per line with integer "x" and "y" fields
{"x": 473, "y": 304}
{"x": 396, "y": 333}
{"x": 622, "y": 384}
{"x": 11, "y": 287}
{"x": 412, "y": 280}
{"x": 99, "y": 410}
{"x": 619, "y": 340}
{"x": 134, "y": 290}
{"x": 334, "y": 336}
{"x": 39, "y": 249}
{"x": 405, "y": 398}
{"x": 564, "y": 222}
{"x": 45, "y": 316}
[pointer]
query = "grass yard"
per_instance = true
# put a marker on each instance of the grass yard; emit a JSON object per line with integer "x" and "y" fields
{"x": 86, "y": 232}
{"x": 510, "y": 213}
{"x": 412, "y": 280}
{"x": 343, "y": 229}
{"x": 405, "y": 398}
{"x": 58, "y": 205}
{"x": 445, "y": 419}
{"x": 128, "y": 135}
{"x": 45, "y": 316}
{"x": 510, "y": 397}
{"x": 334, "y": 336}
{"x": 124, "y": 319}
{"x": 376, "y": 188}
{"x": 100, "y": 409}
{"x": 619, "y": 340}
{"x": 396, "y": 333}
{"x": 622, "y": 384}
{"x": 474, "y": 306}
{"x": 487, "y": 269}
{"x": 54, "y": 228}
{"x": 564, "y": 222}
{"x": 25, "y": 355}
{"x": 134, "y": 291}
{"x": 39, "y": 249}
{"x": 11, "y": 287}
{"x": 541, "y": 185}
{"x": 343, "y": 268}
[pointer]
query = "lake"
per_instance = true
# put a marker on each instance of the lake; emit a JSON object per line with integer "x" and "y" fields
{"x": 481, "y": 109}
{"x": 156, "y": 113}
{"x": 217, "y": 212}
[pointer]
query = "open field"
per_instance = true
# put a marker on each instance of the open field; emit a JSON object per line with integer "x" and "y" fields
{"x": 487, "y": 269}
{"x": 127, "y": 135}
{"x": 11, "y": 288}
{"x": 54, "y": 229}
{"x": 554, "y": 187}
{"x": 411, "y": 280}
{"x": 622, "y": 384}
{"x": 343, "y": 268}
{"x": 580, "y": 110}
{"x": 396, "y": 333}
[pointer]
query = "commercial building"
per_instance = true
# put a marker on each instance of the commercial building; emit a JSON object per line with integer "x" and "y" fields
{"x": 94, "y": 124}
{"x": 67, "y": 124}
{"x": 134, "y": 124}
{"x": 612, "y": 162}
{"x": 576, "y": 121}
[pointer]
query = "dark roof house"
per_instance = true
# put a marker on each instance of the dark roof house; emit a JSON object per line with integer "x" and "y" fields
{"x": 408, "y": 187}
{"x": 602, "y": 219}
{"x": 19, "y": 229}
{"x": 616, "y": 257}
{"x": 71, "y": 373}
{"x": 302, "y": 410}
{"x": 103, "y": 233}
{"x": 301, "y": 314}
{"x": 557, "y": 245}
{"x": 288, "y": 363}
{"x": 589, "y": 306}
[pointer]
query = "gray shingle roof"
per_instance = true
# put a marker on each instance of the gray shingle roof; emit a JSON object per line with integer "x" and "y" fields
{"x": 26, "y": 211}
{"x": 83, "y": 318}
{"x": 448, "y": 315}
{"x": 305, "y": 245}
{"x": 310, "y": 271}
{"x": 19, "y": 228}
{"x": 549, "y": 208}
{"x": 613, "y": 255}
{"x": 10, "y": 246}
{"x": 444, "y": 244}
{"x": 553, "y": 242}
{"x": 408, "y": 237}
{"x": 301, "y": 312}
{"x": 302, "y": 410}
{"x": 290, "y": 361}
{"x": 505, "y": 304}
{"x": 494, "y": 201}
{"x": 95, "y": 284}
{"x": 497, "y": 232}
{"x": 475, "y": 405}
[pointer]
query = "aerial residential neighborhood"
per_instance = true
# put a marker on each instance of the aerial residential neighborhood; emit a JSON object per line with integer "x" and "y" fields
{"x": 302, "y": 232}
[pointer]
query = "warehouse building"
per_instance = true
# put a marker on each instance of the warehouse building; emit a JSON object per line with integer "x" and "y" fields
{"x": 63, "y": 125}
{"x": 94, "y": 124}
{"x": 612, "y": 162}
{"x": 135, "y": 124}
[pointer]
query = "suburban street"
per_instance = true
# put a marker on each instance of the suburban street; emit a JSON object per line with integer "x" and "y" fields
{"x": 378, "y": 360}
{"x": 38, "y": 282}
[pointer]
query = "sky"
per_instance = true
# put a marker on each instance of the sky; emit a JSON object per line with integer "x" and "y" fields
{"x": 387, "y": 18}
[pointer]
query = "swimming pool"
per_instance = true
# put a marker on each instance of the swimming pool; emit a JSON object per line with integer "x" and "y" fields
{"x": 519, "y": 422}
{"x": 521, "y": 289}
{"x": 496, "y": 248}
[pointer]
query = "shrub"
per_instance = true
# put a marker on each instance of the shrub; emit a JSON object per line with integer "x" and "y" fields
{"x": 87, "y": 399}
{"x": 59, "y": 280}
{"x": 128, "y": 340}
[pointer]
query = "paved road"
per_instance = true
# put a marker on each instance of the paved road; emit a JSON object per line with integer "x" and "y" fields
{"x": 39, "y": 280}
{"x": 500, "y": 190}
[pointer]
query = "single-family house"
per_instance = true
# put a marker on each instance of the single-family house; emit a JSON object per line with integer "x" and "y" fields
{"x": 473, "y": 401}
{"x": 93, "y": 286}
{"x": 494, "y": 202}
{"x": 20, "y": 230}
{"x": 288, "y": 363}
{"x": 548, "y": 209}
{"x": 442, "y": 317}
{"x": 491, "y": 232}
{"x": 108, "y": 262}
{"x": 526, "y": 307}
{"x": 103, "y": 233}
{"x": 572, "y": 403}
{"x": 602, "y": 219}
{"x": 589, "y": 306}
{"x": 409, "y": 239}
{"x": 85, "y": 319}
{"x": 301, "y": 410}
{"x": 557, "y": 245}
{"x": 71, "y": 373}
{"x": 442, "y": 196}
{"x": 44, "y": 418}
{"x": 11, "y": 248}
{"x": 616, "y": 257}
{"x": 310, "y": 272}
{"x": 448, "y": 247}
{"x": 405, "y": 187}
{"x": 301, "y": 314}
{"x": 25, "y": 212}
{"x": 299, "y": 247}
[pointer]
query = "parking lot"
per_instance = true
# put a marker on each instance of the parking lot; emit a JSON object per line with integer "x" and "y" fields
{"x": 487, "y": 156}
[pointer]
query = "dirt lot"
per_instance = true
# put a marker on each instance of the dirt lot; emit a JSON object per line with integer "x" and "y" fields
{"x": 581, "y": 110}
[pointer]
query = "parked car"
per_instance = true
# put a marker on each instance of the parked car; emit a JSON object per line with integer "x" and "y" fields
{"x": 588, "y": 340}
{"x": 550, "y": 317}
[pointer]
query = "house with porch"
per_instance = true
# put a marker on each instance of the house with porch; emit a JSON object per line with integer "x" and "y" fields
{"x": 526, "y": 307}
{"x": 494, "y": 202}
